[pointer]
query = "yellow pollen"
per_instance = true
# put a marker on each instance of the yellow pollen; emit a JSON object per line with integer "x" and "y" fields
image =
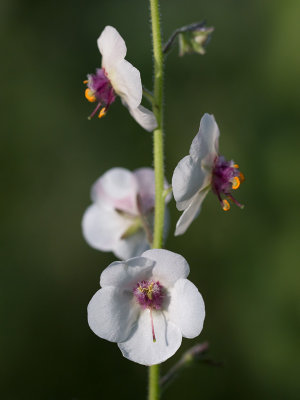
{"x": 85, "y": 82}
{"x": 235, "y": 182}
{"x": 148, "y": 290}
{"x": 89, "y": 95}
{"x": 236, "y": 166}
{"x": 226, "y": 205}
{"x": 102, "y": 113}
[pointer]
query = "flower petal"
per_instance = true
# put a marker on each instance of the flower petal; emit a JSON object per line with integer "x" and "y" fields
{"x": 112, "y": 314}
{"x": 144, "y": 117}
{"x": 133, "y": 246}
{"x": 146, "y": 188}
{"x": 112, "y": 47}
{"x": 187, "y": 179}
{"x": 191, "y": 212}
{"x": 117, "y": 188}
{"x": 126, "y": 274}
{"x": 140, "y": 348}
{"x": 126, "y": 81}
{"x": 204, "y": 148}
{"x": 103, "y": 227}
{"x": 169, "y": 266}
{"x": 186, "y": 309}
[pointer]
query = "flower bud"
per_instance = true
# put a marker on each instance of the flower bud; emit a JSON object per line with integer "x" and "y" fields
{"x": 194, "y": 40}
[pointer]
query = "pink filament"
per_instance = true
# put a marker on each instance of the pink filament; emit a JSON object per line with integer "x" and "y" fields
{"x": 152, "y": 326}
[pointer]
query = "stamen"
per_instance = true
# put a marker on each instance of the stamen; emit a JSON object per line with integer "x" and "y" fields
{"x": 236, "y": 166}
{"x": 85, "y": 82}
{"x": 152, "y": 326}
{"x": 225, "y": 205}
{"x": 235, "y": 183}
{"x": 242, "y": 177}
{"x": 94, "y": 112}
{"x": 89, "y": 96}
{"x": 235, "y": 201}
{"x": 149, "y": 294}
{"x": 102, "y": 113}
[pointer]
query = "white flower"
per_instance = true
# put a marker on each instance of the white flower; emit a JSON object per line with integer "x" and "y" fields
{"x": 146, "y": 305}
{"x": 201, "y": 171}
{"x": 121, "y": 216}
{"x": 117, "y": 76}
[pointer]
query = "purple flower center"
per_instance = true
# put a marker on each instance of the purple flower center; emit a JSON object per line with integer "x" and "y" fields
{"x": 99, "y": 89}
{"x": 225, "y": 178}
{"x": 149, "y": 294}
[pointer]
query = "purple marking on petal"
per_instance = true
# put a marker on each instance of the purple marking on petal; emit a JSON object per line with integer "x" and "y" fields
{"x": 100, "y": 86}
{"x": 223, "y": 176}
{"x": 149, "y": 294}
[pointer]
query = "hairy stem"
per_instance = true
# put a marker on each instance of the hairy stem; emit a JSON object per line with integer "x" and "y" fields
{"x": 154, "y": 388}
{"x": 158, "y": 132}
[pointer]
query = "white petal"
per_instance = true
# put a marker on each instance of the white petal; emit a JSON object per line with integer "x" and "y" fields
{"x": 144, "y": 117}
{"x": 193, "y": 173}
{"x": 191, "y": 212}
{"x": 126, "y": 81}
{"x": 204, "y": 148}
{"x": 111, "y": 46}
{"x": 166, "y": 224}
{"x": 186, "y": 308}
{"x": 102, "y": 227}
{"x": 169, "y": 266}
{"x": 146, "y": 188}
{"x": 112, "y": 314}
{"x": 140, "y": 348}
{"x": 132, "y": 246}
{"x": 117, "y": 188}
{"x": 187, "y": 179}
{"x": 182, "y": 205}
{"x": 126, "y": 274}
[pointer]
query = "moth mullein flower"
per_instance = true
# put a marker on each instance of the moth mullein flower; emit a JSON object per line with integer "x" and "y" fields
{"x": 203, "y": 170}
{"x": 122, "y": 214}
{"x": 146, "y": 305}
{"x": 117, "y": 77}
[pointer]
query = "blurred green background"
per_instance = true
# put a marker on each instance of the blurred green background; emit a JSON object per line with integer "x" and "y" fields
{"x": 245, "y": 263}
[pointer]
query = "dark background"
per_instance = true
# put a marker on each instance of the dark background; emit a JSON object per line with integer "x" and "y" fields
{"x": 245, "y": 263}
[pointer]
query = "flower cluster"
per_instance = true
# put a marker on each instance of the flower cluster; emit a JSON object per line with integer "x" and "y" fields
{"x": 146, "y": 304}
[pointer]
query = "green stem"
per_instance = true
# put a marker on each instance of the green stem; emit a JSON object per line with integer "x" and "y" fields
{"x": 154, "y": 387}
{"x": 158, "y": 132}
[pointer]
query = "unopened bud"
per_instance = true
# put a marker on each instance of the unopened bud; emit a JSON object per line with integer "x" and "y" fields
{"x": 194, "y": 40}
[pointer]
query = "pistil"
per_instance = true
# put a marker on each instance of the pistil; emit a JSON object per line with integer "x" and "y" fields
{"x": 152, "y": 326}
{"x": 149, "y": 295}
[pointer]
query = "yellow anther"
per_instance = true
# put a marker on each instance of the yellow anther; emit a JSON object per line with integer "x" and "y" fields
{"x": 102, "y": 113}
{"x": 235, "y": 182}
{"x": 242, "y": 177}
{"x": 236, "y": 166}
{"x": 89, "y": 95}
{"x": 85, "y": 82}
{"x": 226, "y": 205}
{"x": 147, "y": 290}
